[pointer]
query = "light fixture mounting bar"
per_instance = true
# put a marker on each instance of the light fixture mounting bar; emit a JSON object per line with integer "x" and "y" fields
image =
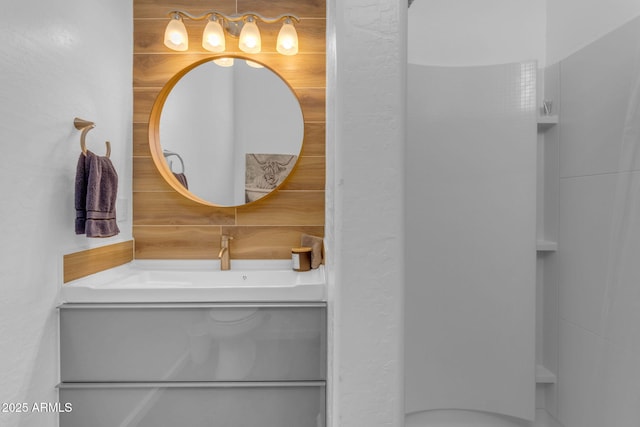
{"x": 242, "y": 26}
{"x": 235, "y": 17}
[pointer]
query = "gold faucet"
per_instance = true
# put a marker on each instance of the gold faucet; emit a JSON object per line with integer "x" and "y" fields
{"x": 225, "y": 262}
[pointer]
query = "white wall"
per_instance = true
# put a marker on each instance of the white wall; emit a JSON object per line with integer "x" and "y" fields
{"x": 596, "y": 266}
{"x": 472, "y": 32}
{"x": 595, "y": 348}
{"x": 58, "y": 60}
{"x": 470, "y": 218}
{"x": 364, "y": 232}
{"x": 572, "y": 24}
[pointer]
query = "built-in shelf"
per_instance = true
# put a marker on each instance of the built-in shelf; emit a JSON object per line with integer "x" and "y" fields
{"x": 546, "y": 246}
{"x": 545, "y": 122}
{"x": 544, "y": 376}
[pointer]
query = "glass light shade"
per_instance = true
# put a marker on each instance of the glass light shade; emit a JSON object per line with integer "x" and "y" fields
{"x": 250, "y": 41}
{"x": 253, "y": 64}
{"x": 213, "y": 37}
{"x": 175, "y": 36}
{"x": 287, "y": 43}
{"x": 224, "y": 62}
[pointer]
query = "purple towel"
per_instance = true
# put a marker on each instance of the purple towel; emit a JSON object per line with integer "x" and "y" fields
{"x": 182, "y": 179}
{"x": 95, "y": 197}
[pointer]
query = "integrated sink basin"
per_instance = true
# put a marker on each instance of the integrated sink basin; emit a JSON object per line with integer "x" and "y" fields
{"x": 198, "y": 281}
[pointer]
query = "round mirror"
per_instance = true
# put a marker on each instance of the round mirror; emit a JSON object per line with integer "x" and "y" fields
{"x": 226, "y": 131}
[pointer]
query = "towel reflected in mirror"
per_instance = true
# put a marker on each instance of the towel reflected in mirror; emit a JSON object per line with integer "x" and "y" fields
{"x": 180, "y": 176}
{"x": 182, "y": 179}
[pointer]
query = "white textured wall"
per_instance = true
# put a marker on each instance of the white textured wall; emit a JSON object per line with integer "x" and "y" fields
{"x": 58, "y": 60}
{"x": 472, "y": 32}
{"x": 366, "y": 132}
{"x": 572, "y": 24}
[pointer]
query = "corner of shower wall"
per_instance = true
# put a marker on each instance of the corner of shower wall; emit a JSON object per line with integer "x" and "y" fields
{"x": 462, "y": 418}
{"x": 547, "y": 310}
{"x": 595, "y": 269}
{"x": 471, "y": 226}
{"x": 545, "y": 174}
{"x": 548, "y": 104}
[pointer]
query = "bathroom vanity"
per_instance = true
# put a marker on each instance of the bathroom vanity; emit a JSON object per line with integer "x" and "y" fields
{"x": 129, "y": 362}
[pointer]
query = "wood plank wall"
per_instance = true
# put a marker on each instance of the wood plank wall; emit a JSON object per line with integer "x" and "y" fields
{"x": 168, "y": 226}
{"x": 84, "y": 263}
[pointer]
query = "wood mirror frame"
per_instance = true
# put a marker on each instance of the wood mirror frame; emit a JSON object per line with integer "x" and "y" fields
{"x": 154, "y": 132}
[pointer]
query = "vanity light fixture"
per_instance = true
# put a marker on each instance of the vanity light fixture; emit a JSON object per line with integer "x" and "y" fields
{"x": 250, "y": 40}
{"x": 253, "y": 64}
{"x": 224, "y": 62}
{"x": 175, "y": 36}
{"x": 244, "y": 26}
{"x": 287, "y": 43}
{"x": 213, "y": 37}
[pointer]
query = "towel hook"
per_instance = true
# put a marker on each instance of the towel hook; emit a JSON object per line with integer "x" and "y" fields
{"x": 86, "y": 126}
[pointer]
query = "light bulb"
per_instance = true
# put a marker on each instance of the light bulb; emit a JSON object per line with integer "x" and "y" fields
{"x": 213, "y": 36}
{"x": 287, "y": 43}
{"x": 175, "y": 36}
{"x": 250, "y": 40}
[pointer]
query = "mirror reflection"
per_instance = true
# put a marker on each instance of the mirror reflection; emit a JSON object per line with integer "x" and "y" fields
{"x": 229, "y": 134}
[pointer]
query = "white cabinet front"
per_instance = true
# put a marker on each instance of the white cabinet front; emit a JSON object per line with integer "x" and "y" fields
{"x": 193, "y": 405}
{"x": 204, "y": 342}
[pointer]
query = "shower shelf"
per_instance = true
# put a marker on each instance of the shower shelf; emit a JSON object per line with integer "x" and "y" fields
{"x": 544, "y": 376}
{"x": 545, "y": 122}
{"x": 546, "y": 246}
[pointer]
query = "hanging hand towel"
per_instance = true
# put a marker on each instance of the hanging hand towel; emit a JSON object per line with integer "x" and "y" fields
{"x": 96, "y": 193}
{"x": 80, "y": 198}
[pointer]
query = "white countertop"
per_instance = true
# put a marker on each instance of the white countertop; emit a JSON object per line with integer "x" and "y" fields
{"x": 198, "y": 281}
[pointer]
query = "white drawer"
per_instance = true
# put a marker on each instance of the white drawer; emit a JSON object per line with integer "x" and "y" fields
{"x": 194, "y": 405}
{"x": 192, "y": 342}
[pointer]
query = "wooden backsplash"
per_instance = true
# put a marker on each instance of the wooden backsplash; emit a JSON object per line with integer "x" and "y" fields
{"x": 167, "y": 225}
